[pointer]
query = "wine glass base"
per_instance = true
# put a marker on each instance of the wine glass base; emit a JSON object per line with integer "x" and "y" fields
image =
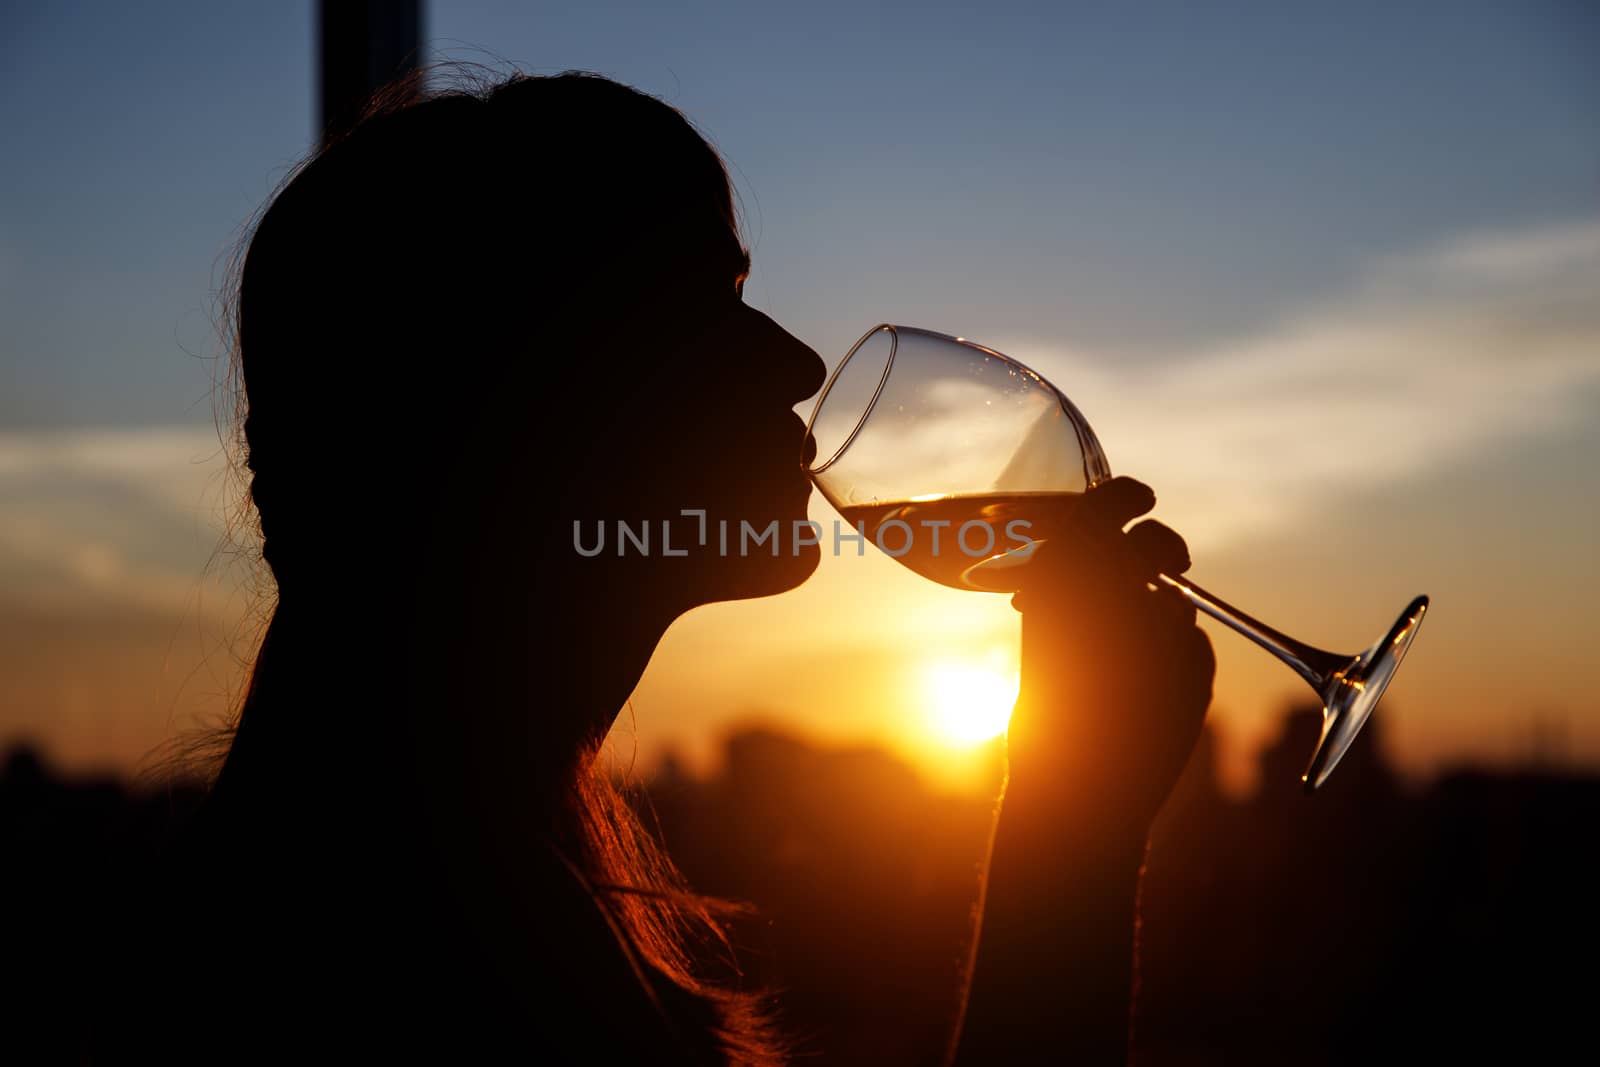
{"x": 1352, "y": 692}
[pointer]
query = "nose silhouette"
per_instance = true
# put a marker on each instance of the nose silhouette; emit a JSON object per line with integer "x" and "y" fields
{"x": 788, "y": 364}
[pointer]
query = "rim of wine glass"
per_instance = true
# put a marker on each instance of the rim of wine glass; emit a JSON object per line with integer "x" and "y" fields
{"x": 883, "y": 379}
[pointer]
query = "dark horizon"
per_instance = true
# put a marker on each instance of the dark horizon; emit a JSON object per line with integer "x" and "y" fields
{"x": 1323, "y": 278}
{"x": 1278, "y": 927}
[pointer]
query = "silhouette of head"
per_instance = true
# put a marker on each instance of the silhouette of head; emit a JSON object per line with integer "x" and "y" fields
{"x": 483, "y": 316}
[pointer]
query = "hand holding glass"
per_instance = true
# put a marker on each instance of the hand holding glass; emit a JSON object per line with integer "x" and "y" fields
{"x": 919, "y": 427}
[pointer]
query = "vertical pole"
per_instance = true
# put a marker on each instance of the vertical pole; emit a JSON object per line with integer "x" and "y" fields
{"x": 362, "y": 46}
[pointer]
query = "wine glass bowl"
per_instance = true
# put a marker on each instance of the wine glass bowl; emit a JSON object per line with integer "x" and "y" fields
{"x": 947, "y": 416}
{"x": 920, "y": 427}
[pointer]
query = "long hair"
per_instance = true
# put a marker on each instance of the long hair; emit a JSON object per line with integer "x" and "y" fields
{"x": 466, "y": 147}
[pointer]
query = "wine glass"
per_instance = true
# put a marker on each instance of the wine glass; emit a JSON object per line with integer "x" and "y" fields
{"x": 955, "y": 459}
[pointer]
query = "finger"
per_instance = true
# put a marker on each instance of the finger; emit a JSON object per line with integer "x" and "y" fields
{"x": 1063, "y": 570}
{"x": 1176, "y": 609}
{"x": 1083, "y": 566}
{"x": 1115, "y": 503}
{"x": 1202, "y": 659}
{"x": 1159, "y": 546}
{"x": 1090, "y": 559}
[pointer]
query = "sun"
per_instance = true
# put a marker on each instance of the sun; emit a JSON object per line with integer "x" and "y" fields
{"x": 969, "y": 702}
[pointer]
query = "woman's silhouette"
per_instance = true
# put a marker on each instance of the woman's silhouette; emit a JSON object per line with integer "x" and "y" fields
{"x": 479, "y": 317}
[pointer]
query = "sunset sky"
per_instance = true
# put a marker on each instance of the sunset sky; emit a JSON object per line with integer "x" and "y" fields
{"x": 1326, "y": 276}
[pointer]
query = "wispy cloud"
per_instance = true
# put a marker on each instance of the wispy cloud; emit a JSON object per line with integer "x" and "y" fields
{"x": 1429, "y": 360}
{"x": 110, "y": 517}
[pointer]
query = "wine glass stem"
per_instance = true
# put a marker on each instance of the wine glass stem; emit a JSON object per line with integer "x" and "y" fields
{"x": 1312, "y": 664}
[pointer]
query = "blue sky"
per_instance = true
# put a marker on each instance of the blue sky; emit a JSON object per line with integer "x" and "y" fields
{"x": 1140, "y": 177}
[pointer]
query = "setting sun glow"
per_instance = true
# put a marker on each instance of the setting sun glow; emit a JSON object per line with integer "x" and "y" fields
{"x": 969, "y": 703}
